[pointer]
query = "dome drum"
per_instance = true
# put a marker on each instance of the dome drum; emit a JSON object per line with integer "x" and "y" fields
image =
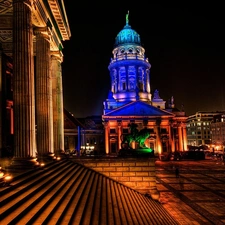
{"x": 128, "y": 49}
{"x": 132, "y": 96}
{"x": 125, "y": 96}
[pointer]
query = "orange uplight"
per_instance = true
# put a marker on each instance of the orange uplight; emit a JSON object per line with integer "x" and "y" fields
{"x": 1, "y": 174}
{"x": 7, "y": 177}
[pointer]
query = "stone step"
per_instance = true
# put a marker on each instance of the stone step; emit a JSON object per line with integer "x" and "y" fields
{"x": 29, "y": 193}
{"x": 66, "y": 192}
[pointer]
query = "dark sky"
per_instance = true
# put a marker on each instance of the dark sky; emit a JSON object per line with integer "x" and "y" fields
{"x": 185, "y": 45}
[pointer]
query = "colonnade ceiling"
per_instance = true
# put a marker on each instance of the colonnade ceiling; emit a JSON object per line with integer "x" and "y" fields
{"x": 50, "y": 13}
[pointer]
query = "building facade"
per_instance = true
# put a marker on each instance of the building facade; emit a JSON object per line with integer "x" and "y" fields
{"x": 31, "y": 44}
{"x": 218, "y": 132}
{"x": 83, "y": 136}
{"x": 199, "y": 128}
{"x": 130, "y": 101}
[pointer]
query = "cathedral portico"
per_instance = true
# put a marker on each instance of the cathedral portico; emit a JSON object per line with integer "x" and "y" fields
{"x": 31, "y": 34}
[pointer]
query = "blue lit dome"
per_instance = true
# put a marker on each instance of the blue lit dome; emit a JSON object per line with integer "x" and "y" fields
{"x": 127, "y": 36}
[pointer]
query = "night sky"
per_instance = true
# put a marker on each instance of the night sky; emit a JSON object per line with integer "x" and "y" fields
{"x": 185, "y": 45}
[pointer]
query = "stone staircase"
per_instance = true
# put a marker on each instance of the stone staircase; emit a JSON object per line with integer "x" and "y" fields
{"x": 65, "y": 192}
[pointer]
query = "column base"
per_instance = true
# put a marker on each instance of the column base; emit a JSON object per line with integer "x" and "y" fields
{"x": 20, "y": 165}
{"x": 45, "y": 158}
{"x": 61, "y": 154}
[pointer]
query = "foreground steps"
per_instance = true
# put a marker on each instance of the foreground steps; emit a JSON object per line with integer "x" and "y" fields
{"x": 65, "y": 192}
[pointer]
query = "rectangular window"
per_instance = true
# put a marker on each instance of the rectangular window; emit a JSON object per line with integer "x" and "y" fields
{"x": 140, "y": 85}
{"x": 113, "y": 147}
{"x": 163, "y": 131}
{"x": 125, "y": 131}
{"x": 112, "y": 131}
{"x": 124, "y": 86}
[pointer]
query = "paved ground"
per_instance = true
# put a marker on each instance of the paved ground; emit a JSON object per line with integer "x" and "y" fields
{"x": 197, "y": 196}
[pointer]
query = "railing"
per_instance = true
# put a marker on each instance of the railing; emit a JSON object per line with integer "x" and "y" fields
{"x": 128, "y": 56}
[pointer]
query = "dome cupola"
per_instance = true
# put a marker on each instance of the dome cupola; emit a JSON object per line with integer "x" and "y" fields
{"x": 129, "y": 70}
{"x": 127, "y": 35}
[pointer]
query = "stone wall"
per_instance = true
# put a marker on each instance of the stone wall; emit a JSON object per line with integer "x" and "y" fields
{"x": 136, "y": 173}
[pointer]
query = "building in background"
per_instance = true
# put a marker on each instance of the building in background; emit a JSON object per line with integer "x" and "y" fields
{"x": 218, "y": 132}
{"x": 84, "y": 136}
{"x": 201, "y": 129}
{"x": 130, "y": 101}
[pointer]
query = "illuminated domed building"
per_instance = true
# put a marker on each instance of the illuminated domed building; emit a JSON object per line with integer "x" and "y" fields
{"x": 130, "y": 101}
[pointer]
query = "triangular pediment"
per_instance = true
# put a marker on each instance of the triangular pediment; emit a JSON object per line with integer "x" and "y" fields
{"x": 138, "y": 109}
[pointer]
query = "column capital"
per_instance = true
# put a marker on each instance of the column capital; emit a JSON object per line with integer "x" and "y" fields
{"x": 106, "y": 124}
{"x": 43, "y": 31}
{"x": 57, "y": 55}
{"x": 29, "y": 3}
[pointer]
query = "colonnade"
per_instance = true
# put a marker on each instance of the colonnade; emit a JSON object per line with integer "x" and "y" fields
{"x": 177, "y": 141}
{"x": 37, "y": 88}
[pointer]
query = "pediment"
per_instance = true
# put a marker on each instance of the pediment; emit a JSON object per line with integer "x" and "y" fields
{"x": 138, "y": 109}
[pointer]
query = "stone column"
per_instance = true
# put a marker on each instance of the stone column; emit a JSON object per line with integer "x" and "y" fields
{"x": 116, "y": 82}
{"x": 106, "y": 126}
{"x": 23, "y": 74}
{"x": 171, "y": 137}
{"x": 147, "y": 72}
{"x": 43, "y": 95}
{"x": 57, "y": 99}
{"x": 1, "y": 144}
{"x": 118, "y": 89}
{"x": 180, "y": 138}
{"x": 136, "y": 83}
{"x": 158, "y": 137}
{"x": 119, "y": 135}
{"x": 185, "y": 137}
{"x": 127, "y": 77}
